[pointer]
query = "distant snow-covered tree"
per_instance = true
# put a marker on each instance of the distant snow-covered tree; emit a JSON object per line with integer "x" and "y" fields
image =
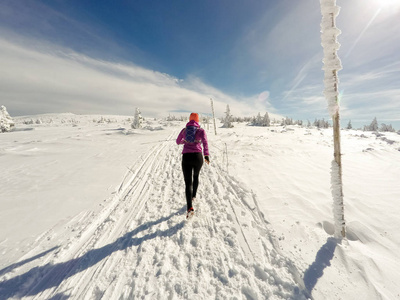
{"x": 321, "y": 123}
{"x": 138, "y": 119}
{"x": 256, "y": 120}
{"x": 206, "y": 120}
{"x": 6, "y": 122}
{"x": 386, "y": 128}
{"x": 259, "y": 120}
{"x": 171, "y": 118}
{"x": 228, "y": 118}
{"x": 287, "y": 121}
{"x": 239, "y": 119}
{"x": 349, "y": 126}
{"x": 266, "y": 120}
{"x": 28, "y": 122}
{"x": 373, "y": 126}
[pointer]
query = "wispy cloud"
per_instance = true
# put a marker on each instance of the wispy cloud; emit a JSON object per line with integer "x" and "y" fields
{"x": 274, "y": 65}
{"x": 379, "y": 78}
{"x": 308, "y": 70}
{"x": 61, "y": 80}
{"x": 365, "y": 105}
{"x": 306, "y": 101}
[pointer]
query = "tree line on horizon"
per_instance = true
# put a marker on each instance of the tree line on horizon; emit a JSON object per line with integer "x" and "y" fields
{"x": 7, "y": 123}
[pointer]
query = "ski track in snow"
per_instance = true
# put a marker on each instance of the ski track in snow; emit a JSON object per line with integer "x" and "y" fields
{"x": 140, "y": 246}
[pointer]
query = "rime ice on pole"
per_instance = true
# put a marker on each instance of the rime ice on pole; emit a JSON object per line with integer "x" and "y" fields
{"x": 331, "y": 61}
{"x": 332, "y": 65}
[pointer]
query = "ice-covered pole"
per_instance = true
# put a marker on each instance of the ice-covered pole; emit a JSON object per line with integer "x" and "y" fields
{"x": 332, "y": 65}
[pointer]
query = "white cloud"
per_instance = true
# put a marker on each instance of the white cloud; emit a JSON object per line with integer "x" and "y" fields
{"x": 306, "y": 71}
{"x": 54, "y": 79}
{"x": 378, "y": 78}
{"x": 370, "y": 104}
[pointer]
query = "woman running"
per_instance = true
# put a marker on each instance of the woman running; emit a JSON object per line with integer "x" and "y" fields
{"x": 192, "y": 136}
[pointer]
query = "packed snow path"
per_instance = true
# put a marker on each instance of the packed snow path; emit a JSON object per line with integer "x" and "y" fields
{"x": 140, "y": 246}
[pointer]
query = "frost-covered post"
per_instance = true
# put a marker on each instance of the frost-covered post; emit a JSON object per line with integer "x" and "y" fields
{"x": 212, "y": 109}
{"x": 332, "y": 65}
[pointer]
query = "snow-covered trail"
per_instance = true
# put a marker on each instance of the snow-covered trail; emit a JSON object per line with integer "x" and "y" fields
{"x": 141, "y": 246}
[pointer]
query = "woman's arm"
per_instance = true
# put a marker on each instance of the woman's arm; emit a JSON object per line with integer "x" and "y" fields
{"x": 180, "y": 138}
{"x": 205, "y": 143}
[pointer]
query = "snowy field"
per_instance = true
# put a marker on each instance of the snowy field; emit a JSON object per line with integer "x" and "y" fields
{"x": 93, "y": 210}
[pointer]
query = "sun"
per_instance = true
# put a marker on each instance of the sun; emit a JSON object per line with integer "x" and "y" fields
{"x": 385, "y": 7}
{"x": 388, "y": 4}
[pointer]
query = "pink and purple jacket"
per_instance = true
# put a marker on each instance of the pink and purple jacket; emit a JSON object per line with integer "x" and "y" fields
{"x": 200, "y": 137}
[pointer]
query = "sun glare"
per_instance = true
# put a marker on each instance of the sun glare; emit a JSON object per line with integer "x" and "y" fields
{"x": 387, "y": 4}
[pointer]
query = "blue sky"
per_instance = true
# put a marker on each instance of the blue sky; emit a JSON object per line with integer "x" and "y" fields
{"x": 165, "y": 57}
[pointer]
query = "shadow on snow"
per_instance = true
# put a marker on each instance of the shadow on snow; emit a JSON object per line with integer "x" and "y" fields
{"x": 25, "y": 261}
{"x": 39, "y": 279}
{"x": 322, "y": 260}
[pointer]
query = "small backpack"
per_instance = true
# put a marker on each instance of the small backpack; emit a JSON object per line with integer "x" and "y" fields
{"x": 190, "y": 134}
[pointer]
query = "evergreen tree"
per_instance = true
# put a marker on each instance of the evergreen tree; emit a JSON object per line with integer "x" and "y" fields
{"x": 266, "y": 120}
{"x": 137, "y": 120}
{"x": 6, "y": 122}
{"x": 349, "y": 126}
{"x": 228, "y": 118}
{"x": 386, "y": 128}
{"x": 288, "y": 121}
{"x": 373, "y": 126}
{"x": 259, "y": 120}
{"x": 321, "y": 123}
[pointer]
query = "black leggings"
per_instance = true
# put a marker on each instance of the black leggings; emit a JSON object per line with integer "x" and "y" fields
{"x": 191, "y": 165}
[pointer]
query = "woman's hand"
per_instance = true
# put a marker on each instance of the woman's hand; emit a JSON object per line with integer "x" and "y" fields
{"x": 207, "y": 159}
